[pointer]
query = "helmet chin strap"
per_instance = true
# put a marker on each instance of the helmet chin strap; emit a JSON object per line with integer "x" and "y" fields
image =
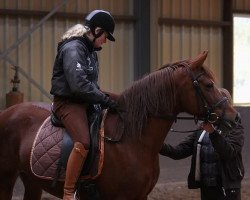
{"x": 97, "y": 35}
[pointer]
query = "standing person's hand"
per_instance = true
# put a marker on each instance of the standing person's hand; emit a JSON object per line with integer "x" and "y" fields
{"x": 208, "y": 127}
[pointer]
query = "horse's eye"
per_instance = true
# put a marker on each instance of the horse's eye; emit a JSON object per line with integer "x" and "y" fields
{"x": 210, "y": 85}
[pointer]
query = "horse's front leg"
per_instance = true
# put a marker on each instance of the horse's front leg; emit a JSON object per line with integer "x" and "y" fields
{"x": 143, "y": 198}
{"x": 7, "y": 183}
{"x": 32, "y": 190}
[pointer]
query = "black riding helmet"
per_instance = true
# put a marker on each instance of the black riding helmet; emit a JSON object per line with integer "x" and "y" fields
{"x": 102, "y": 19}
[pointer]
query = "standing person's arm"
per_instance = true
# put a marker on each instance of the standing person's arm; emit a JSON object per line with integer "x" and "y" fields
{"x": 180, "y": 151}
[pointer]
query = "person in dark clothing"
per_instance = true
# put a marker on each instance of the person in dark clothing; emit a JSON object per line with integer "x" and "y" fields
{"x": 216, "y": 164}
{"x": 75, "y": 87}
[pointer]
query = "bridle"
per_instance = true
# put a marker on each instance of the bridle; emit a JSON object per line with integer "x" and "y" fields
{"x": 210, "y": 115}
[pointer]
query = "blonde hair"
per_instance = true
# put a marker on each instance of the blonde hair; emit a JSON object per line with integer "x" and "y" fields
{"x": 77, "y": 30}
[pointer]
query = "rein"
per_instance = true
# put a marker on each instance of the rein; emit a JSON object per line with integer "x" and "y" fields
{"x": 189, "y": 131}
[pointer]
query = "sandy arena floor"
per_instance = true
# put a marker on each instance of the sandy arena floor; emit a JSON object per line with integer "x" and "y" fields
{"x": 170, "y": 191}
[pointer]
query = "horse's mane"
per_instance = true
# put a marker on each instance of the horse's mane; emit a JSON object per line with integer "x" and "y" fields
{"x": 152, "y": 95}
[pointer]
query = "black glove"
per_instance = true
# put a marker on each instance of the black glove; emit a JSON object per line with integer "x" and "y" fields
{"x": 112, "y": 105}
{"x": 109, "y": 104}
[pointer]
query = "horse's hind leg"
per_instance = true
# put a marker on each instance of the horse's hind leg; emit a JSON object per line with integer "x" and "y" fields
{"x": 7, "y": 183}
{"x": 32, "y": 190}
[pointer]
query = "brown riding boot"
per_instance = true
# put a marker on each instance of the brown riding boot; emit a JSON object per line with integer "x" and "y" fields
{"x": 74, "y": 167}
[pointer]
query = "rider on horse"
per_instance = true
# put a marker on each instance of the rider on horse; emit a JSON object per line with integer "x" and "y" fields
{"x": 74, "y": 86}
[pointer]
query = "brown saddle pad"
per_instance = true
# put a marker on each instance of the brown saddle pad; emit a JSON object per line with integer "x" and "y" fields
{"x": 46, "y": 152}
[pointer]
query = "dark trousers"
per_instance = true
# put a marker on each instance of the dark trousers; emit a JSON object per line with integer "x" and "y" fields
{"x": 218, "y": 193}
{"x": 74, "y": 118}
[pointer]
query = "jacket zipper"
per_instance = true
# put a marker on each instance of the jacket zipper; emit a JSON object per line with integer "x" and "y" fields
{"x": 240, "y": 172}
{"x": 224, "y": 192}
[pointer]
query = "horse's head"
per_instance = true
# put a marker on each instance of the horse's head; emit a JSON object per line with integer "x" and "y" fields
{"x": 184, "y": 86}
{"x": 199, "y": 95}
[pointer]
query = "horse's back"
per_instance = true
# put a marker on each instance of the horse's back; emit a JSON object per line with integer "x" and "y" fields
{"x": 24, "y": 109}
{"x": 18, "y": 127}
{"x": 21, "y": 115}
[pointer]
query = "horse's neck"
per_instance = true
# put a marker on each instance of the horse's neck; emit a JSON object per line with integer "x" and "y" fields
{"x": 154, "y": 134}
{"x": 151, "y": 139}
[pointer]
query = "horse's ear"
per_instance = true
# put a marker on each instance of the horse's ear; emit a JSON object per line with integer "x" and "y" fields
{"x": 199, "y": 60}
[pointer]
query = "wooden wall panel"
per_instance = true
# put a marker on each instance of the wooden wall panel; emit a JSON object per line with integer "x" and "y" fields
{"x": 177, "y": 41}
{"x": 241, "y": 5}
{"x": 238, "y": 3}
{"x": 24, "y": 52}
{"x": 186, "y": 42}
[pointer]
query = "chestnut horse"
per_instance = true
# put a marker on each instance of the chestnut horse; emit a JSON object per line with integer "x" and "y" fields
{"x": 131, "y": 166}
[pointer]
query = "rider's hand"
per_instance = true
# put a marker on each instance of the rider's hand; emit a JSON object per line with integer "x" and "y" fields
{"x": 112, "y": 105}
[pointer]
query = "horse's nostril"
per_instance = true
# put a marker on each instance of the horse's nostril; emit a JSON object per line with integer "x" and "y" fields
{"x": 238, "y": 118}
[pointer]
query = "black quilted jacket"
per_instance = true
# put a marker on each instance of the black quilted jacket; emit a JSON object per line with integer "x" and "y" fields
{"x": 75, "y": 72}
{"x": 228, "y": 145}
